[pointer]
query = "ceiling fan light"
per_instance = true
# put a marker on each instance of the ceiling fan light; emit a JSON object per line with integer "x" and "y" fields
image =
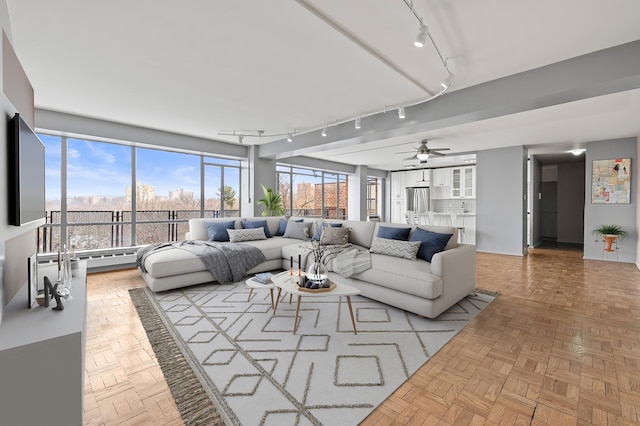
{"x": 401, "y": 112}
{"x": 422, "y": 156}
{"x": 421, "y": 38}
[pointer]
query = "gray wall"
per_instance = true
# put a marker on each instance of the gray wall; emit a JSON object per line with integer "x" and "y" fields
{"x": 501, "y": 201}
{"x": 637, "y": 197}
{"x": 619, "y": 214}
{"x": 17, "y": 242}
{"x": 571, "y": 202}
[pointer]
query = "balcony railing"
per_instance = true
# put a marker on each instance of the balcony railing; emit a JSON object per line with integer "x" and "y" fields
{"x": 100, "y": 229}
{"x": 105, "y": 229}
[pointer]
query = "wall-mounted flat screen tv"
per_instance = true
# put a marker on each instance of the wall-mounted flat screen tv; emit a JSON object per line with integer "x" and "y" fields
{"x": 26, "y": 157}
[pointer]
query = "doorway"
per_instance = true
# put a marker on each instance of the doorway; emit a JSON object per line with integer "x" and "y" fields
{"x": 558, "y": 198}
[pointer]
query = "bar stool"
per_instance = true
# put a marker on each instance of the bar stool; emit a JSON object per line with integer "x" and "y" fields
{"x": 461, "y": 231}
{"x": 410, "y": 217}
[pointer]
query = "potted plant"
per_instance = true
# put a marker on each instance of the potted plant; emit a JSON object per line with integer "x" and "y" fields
{"x": 272, "y": 202}
{"x": 609, "y": 233}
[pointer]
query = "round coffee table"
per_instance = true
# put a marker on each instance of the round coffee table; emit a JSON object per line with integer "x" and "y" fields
{"x": 284, "y": 282}
{"x": 252, "y": 284}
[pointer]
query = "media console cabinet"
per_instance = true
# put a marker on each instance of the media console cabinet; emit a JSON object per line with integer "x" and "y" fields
{"x": 42, "y": 357}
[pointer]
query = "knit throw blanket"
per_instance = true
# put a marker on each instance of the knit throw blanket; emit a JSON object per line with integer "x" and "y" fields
{"x": 227, "y": 262}
{"x": 345, "y": 260}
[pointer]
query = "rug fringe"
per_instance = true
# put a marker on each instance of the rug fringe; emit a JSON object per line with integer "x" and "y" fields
{"x": 193, "y": 402}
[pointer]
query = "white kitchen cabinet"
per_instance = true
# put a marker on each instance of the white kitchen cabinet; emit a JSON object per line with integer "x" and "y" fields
{"x": 441, "y": 177}
{"x": 418, "y": 178}
{"x": 398, "y": 185}
{"x": 463, "y": 182}
{"x": 397, "y": 211}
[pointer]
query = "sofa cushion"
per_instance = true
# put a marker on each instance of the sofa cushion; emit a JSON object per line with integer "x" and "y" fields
{"x": 251, "y": 234}
{"x": 396, "y": 248}
{"x": 217, "y": 231}
{"x": 430, "y": 242}
{"x": 321, "y": 228}
{"x": 298, "y": 230}
{"x": 407, "y": 276}
{"x": 335, "y": 235}
{"x": 393, "y": 233}
{"x": 249, "y": 224}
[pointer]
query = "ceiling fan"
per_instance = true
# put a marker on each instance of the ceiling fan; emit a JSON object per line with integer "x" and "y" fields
{"x": 423, "y": 152}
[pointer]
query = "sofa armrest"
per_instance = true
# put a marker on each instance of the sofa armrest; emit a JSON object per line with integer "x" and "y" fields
{"x": 457, "y": 267}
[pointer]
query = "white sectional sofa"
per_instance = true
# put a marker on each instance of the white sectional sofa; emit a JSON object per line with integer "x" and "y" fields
{"x": 418, "y": 286}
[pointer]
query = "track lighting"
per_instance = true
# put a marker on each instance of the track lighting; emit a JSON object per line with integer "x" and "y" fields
{"x": 324, "y": 131}
{"x": 447, "y": 82}
{"x": 289, "y": 138}
{"x": 358, "y": 123}
{"x": 401, "y": 112}
{"x": 421, "y": 38}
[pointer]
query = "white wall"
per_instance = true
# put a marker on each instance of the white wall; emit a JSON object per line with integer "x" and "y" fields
{"x": 624, "y": 215}
{"x": 501, "y": 207}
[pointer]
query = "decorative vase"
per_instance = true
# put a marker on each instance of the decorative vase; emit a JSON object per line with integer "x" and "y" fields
{"x": 317, "y": 274}
{"x": 609, "y": 239}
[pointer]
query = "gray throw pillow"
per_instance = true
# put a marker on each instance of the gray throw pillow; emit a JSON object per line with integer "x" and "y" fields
{"x": 397, "y": 248}
{"x": 250, "y": 234}
{"x": 335, "y": 236}
{"x": 298, "y": 230}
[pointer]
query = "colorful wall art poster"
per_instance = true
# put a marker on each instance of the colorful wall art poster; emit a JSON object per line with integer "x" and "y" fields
{"x": 611, "y": 181}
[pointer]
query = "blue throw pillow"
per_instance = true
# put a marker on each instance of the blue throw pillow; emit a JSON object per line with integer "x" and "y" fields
{"x": 217, "y": 231}
{"x": 246, "y": 224}
{"x": 431, "y": 243}
{"x": 318, "y": 234}
{"x": 282, "y": 226}
{"x": 393, "y": 233}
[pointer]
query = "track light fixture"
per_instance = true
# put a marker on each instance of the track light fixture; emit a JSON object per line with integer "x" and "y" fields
{"x": 324, "y": 132}
{"x": 289, "y": 137}
{"x": 358, "y": 122}
{"x": 447, "y": 82}
{"x": 401, "y": 112}
{"x": 421, "y": 38}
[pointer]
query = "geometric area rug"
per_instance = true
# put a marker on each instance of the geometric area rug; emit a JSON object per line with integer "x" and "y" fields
{"x": 215, "y": 347}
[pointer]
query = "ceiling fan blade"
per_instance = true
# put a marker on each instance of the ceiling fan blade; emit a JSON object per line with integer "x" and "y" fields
{"x": 436, "y": 153}
{"x": 405, "y": 152}
{"x": 442, "y": 149}
{"x": 410, "y": 158}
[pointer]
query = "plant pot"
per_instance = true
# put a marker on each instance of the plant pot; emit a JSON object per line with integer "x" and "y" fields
{"x": 609, "y": 239}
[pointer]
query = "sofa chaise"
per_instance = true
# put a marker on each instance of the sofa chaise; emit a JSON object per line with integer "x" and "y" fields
{"x": 418, "y": 286}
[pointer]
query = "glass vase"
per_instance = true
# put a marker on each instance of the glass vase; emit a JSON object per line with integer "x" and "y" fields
{"x": 317, "y": 274}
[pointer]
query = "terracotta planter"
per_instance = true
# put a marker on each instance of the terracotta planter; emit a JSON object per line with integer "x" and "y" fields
{"x": 609, "y": 239}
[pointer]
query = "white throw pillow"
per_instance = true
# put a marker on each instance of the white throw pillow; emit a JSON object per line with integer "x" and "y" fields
{"x": 251, "y": 234}
{"x": 397, "y": 248}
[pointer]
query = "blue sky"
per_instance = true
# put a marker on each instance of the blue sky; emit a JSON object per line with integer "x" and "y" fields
{"x": 98, "y": 168}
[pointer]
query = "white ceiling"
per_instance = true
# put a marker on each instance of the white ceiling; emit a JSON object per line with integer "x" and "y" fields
{"x": 209, "y": 67}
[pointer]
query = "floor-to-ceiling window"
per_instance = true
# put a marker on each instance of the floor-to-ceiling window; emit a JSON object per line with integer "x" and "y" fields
{"x": 106, "y": 195}
{"x": 373, "y": 186}
{"x": 308, "y": 192}
{"x": 167, "y": 191}
{"x": 222, "y": 187}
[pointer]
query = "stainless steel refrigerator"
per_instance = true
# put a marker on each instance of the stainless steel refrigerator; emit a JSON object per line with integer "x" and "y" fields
{"x": 418, "y": 198}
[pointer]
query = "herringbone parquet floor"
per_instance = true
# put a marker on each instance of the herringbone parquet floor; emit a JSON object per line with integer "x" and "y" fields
{"x": 560, "y": 346}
